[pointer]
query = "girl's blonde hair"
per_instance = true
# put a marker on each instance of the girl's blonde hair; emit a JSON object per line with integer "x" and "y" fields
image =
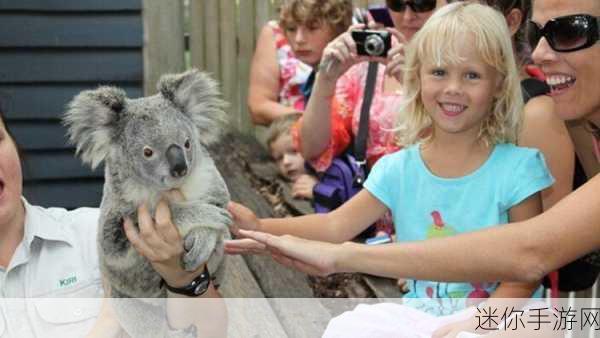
{"x": 438, "y": 42}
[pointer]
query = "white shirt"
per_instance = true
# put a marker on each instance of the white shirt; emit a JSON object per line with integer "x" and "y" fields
{"x": 56, "y": 259}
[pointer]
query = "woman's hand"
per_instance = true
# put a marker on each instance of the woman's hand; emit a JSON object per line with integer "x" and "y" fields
{"x": 339, "y": 55}
{"x": 311, "y": 257}
{"x": 303, "y": 186}
{"x": 395, "y": 60}
{"x": 159, "y": 241}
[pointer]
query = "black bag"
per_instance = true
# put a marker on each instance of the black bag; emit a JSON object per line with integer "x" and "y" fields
{"x": 582, "y": 273}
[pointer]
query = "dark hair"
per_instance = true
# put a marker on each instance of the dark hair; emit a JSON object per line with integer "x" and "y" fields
{"x": 522, "y": 48}
{"x": 524, "y": 6}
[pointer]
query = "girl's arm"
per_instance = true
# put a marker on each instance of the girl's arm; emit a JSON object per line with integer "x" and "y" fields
{"x": 263, "y": 91}
{"x": 338, "y": 226}
{"x": 523, "y": 251}
{"x": 544, "y": 131}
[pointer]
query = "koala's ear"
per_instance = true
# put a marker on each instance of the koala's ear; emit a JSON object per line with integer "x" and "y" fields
{"x": 197, "y": 95}
{"x": 91, "y": 121}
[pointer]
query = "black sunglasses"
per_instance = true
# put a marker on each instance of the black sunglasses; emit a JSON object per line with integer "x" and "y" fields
{"x": 566, "y": 33}
{"x": 417, "y": 6}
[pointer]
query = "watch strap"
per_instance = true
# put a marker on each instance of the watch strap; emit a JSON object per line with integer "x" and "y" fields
{"x": 197, "y": 287}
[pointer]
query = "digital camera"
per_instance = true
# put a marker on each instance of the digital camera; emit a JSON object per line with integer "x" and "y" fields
{"x": 372, "y": 42}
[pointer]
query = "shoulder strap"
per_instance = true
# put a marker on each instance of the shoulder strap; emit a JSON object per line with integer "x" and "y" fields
{"x": 360, "y": 143}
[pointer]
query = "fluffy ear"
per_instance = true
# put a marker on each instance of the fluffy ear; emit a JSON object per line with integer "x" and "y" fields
{"x": 197, "y": 95}
{"x": 91, "y": 120}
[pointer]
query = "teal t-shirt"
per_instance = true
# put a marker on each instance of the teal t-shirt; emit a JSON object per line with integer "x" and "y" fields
{"x": 426, "y": 206}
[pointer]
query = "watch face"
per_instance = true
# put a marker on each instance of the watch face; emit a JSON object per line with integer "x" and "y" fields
{"x": 201, "y": 288}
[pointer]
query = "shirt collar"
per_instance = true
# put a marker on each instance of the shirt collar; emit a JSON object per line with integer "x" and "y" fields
{"x": 43, "y": 224}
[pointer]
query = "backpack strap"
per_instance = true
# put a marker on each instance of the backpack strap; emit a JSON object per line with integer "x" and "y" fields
{"x": 360, "y": 143}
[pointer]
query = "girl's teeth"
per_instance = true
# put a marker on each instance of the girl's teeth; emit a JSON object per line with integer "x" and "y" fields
{"x": 455, "y": 108}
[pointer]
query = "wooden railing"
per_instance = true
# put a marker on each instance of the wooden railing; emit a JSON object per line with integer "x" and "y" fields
{"x": 222, "y": 36}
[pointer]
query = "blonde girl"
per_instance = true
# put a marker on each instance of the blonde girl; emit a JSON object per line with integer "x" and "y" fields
{"x": 459, "y": 171}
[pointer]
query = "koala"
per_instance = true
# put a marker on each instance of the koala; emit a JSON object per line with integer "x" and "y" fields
{"x": 151, "y": 145}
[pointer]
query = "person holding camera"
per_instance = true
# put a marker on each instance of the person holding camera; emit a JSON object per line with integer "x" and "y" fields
{"x": 332, "y": 115}
{"x": 286, "y": 52}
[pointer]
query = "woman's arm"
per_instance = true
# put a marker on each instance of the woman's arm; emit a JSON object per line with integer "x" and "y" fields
{"x": 544, "y": 131}
{"x": 263, "y": 91}
{"x": 338, "y": 57}
{"x": 524, "y": 251}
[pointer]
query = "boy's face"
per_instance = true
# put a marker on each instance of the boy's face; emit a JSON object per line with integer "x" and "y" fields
{"x": 289, "y": 161}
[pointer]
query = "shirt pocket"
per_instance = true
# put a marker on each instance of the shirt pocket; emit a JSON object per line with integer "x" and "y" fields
{"x": 68, "y": 313}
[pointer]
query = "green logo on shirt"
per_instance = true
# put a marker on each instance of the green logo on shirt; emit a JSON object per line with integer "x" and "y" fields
{"x": 68, "y": 281}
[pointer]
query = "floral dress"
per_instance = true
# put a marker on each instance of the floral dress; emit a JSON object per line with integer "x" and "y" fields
{"x": 345, "y": 114}
{"x": 292, "y": 72}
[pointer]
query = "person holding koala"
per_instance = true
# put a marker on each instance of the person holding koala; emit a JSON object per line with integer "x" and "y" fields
{"x": 287, "y": 51}
{"x": 52, "y": 252}
{"x": 289, "y": 161}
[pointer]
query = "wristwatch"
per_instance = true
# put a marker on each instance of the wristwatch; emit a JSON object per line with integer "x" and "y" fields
{"x": 197, "y": 287}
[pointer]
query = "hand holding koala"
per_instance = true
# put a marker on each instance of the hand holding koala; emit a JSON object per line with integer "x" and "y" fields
{"x": 150, "y": 146}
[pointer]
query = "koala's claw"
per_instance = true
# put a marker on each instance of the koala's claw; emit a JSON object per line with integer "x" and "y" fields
{"x": 199, "y": 244}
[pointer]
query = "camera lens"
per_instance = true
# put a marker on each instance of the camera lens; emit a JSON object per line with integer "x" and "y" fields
{"x": 374, "y": 45}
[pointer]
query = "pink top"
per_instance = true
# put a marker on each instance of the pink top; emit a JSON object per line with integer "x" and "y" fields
{"x": 345, "y": 115}
{"x": 345, "y": 118}
{"x": 292, "y": 72}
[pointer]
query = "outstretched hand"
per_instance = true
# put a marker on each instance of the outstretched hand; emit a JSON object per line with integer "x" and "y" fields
{"x": 311, "y": 257}
{"x": 243, "y": 218}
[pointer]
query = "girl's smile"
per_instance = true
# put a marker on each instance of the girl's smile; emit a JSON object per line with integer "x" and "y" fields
{"x": 459, "y": 94}
{"x": 452, "y": 109}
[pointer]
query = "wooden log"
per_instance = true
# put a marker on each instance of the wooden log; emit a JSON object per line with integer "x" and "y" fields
{"x": 235, "y": 157}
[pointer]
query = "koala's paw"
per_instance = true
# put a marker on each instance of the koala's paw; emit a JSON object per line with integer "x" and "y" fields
{"x": 216, "y": 217}
{"x": 199, "y": 244}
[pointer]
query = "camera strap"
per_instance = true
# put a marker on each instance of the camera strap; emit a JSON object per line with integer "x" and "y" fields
{"x": 360, "y": 143}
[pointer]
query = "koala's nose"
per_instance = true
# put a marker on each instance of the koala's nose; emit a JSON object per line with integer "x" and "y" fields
{"x": 176, "y": 159}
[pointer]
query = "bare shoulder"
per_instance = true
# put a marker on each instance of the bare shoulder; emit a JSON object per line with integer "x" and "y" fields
{"x": 539, "y": 117}
{"x": 540, "y": 107}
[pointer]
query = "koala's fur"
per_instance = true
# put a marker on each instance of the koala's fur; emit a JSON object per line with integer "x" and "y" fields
{"x": 176, "y": 125}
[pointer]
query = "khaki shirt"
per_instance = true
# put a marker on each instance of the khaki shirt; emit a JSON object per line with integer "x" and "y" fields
{"x": 56, "y": 262}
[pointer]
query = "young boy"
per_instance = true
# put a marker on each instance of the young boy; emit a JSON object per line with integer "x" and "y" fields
{"x": 289, "y": 161}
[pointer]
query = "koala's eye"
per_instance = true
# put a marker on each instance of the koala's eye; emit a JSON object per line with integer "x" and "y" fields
{"x": 187, "y": 144}
{"x": 148, "y": 152}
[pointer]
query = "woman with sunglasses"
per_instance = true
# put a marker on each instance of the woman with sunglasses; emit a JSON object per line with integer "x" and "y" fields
{"x": 332, "y": 115}
{"x": 565, "y": 38}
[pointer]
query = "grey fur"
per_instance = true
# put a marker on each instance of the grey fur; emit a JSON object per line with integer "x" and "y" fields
{"x": 107, "y": 126}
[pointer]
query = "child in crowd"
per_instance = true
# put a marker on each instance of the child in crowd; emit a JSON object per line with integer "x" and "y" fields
{"x": 289, "y": 161}
{"x": 459, "y": 166}
{"x": 286, "y": 52}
